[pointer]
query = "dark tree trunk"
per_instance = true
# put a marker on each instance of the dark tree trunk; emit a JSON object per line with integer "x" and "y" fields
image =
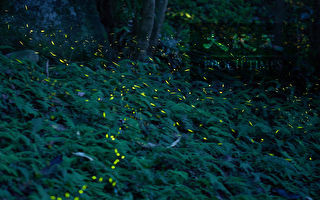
{"x": 107, "y": 17}
{"x": 145, "y": 28}
{"x": 316, "y": 36}
{"x": 106, "y": 11}
{"x": 161, "y": 7}
{"x": 279, "y": 14}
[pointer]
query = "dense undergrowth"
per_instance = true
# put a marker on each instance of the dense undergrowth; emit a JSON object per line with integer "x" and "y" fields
{"x": 129, "y": 132}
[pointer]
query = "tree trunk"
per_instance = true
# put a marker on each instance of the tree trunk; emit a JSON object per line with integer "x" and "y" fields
{"x": 279, "y": 14}
{"x": 145, "y": 28}
{"x": 106, "y": 11}
{"x": 161, "y": 7}
{"x": 316, "y": 37}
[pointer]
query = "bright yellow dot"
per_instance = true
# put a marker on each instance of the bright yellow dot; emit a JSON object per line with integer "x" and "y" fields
{"x": 205, "y": 138}
{"x": 118, "y": 154}
{"x": 53, "y": 54}
{"x": 191, "y": 131}
{"x": 67, "y": 195}
{"x": 310, "y": 158}
{"x": 94, "y": 177}
{"x": 59, "y": 198}
{"x": 116, "y": 64}
{"x": 100, "y": 179}
{"x": 76, "y": 198}
{"x": 104, "y": 114}
{"x": 107, "y": 135}
{"x": 122, "y": 157}
{"x": 52, "y": 197}
{"x": 110, "y": 180}
{"x": 114, "y": 184}
{"x": 80, "y": 191}
{"x": 84, "y": 187}
{"x": 112, "y": 167}
{"x": 220, "y": 121}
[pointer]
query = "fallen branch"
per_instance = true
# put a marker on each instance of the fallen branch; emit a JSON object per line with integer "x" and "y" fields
{"x": 47, "y": 68}
{"x": 81, "y": 154}
{"x": 175, "y": 142}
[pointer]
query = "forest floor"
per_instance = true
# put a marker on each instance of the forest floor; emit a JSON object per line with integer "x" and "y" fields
{"x": 112, "y": 133}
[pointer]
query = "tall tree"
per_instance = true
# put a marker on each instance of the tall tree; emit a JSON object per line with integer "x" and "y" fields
{"x": 316, "y": 35}
{"x": 145, "y": 28}
{"x": 148, "y": 22}
{"x": 161, "y": 7}
{"x": 153, "y": 15}
{"x": 279, "y": 12}
{"x": 106, "y": 11}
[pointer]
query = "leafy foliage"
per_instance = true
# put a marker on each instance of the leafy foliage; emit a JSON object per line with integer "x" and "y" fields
{"x": 85, "y": 126}
{"x": 125, "y": 131}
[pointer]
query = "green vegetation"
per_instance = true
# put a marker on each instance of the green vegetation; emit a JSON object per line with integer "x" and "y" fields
{"x": 129, "y": 132}
{"x": 95, "y": 103}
